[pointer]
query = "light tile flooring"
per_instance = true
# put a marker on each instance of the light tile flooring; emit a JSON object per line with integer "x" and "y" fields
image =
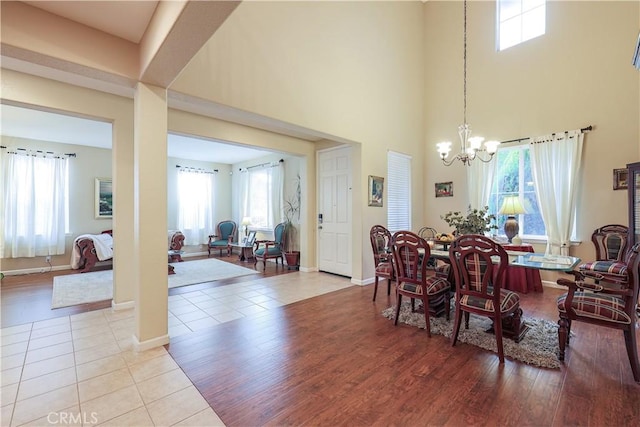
{"x": 82, "y": 369}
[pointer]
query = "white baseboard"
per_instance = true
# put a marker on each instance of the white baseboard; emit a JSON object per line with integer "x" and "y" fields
{"x": 36, "y": 270}
{"x": 192, "y": 254}
{"x": 127, "y": 305}
{"x": 149, "y": 344}
{"x": 308, "y": 269}
{"x": 554, "y": 285}
{"x": 363, "y": 282}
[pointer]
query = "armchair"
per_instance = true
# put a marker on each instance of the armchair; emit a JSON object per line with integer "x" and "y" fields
{"x": 611, "y": 243}
{"x": 225, "y": 232}
{"x": 266, "y": 249}
{"x": 604, "y": 304}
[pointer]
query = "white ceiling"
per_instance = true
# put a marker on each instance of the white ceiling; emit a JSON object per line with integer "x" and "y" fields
{"x": 46, "y": 126}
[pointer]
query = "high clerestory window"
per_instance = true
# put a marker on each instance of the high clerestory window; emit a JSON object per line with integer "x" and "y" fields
{"x": 519, "y": 21}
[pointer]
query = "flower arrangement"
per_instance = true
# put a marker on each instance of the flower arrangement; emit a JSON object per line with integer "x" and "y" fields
{"x": 477, "y": 221}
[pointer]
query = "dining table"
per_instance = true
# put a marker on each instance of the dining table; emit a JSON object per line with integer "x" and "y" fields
{"x": 526, "y": 260}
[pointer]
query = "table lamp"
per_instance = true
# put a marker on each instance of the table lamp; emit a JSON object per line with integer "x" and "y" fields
{"x": 511, "y": 206}
{"x": 246, "y": 222}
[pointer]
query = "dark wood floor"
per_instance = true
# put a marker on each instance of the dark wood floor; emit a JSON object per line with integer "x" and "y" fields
{"x": 334, "y": 360}
{"x": 27, "y": 298}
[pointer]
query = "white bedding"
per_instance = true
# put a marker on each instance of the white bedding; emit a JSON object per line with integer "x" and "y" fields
{"x": 103, "y": 244}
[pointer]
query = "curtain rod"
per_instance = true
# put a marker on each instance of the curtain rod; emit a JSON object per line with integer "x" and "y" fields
{"x": 41, "y": 152}
{"x": 189, "y": 168}
{"x": 583, "y": 130}
{"x": 262, "y": 165}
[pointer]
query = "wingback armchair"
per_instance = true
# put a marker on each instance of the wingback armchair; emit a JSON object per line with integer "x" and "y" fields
{"x": 225, "y": 232}
{"x": 266, "y": 249}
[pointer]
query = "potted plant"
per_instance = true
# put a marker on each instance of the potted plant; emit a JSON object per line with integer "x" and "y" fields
{"x": 477, "y": 221}
{"x": 291, "y": 218}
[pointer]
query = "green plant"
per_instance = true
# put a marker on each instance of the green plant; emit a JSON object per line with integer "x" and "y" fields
{"x": 291, "y": 211}
{"x": 477, "y": 221}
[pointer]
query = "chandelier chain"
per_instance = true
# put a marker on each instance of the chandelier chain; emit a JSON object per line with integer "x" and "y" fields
{"x": 464, "y": 56}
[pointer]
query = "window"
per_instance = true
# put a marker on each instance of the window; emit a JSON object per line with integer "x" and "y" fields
{"x": 514, "y": 178}
{"x": 398, "y": 192}
{"x": 262, "y": 196}
{"x": 519, "y": 21}
{"x": 36, "y": 204}
{"x": 196, "y": 193}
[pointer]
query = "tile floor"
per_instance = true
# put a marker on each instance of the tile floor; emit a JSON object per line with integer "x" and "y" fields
{"x": 82, "y": 370}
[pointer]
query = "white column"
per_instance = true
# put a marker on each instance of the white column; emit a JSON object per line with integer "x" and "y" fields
{"x": 150, "y": 211}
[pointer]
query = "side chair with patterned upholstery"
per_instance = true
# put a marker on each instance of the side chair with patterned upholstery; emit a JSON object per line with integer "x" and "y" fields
{"x": 479, "y": 285}
{"x": 608, "y": 304}
{"x": 382, "y": 259}
{"x": 225, "y": 233}
{"x": 611, "y": 243}
{"x": 410, "y": 253}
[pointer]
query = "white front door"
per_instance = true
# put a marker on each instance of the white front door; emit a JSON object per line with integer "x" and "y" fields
{"x": 334, "y": 211}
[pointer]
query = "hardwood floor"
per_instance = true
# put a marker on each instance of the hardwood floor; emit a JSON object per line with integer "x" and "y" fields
{"x": 27, "y": 298}
{"x": 334, "y": 360}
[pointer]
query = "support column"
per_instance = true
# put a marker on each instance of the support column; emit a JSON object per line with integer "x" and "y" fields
{"x": 150, "y": 212}
{"x": 123, "y": 214}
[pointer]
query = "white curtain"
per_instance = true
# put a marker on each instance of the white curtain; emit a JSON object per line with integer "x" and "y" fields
{"x": 480, "y": 178}
{"x": 276, "y": 211}
{"x": 262, "y": 195}
{"x": 34, "y": 205}
{"x": 195, "y": 206}
{"x": 555, "y": 165}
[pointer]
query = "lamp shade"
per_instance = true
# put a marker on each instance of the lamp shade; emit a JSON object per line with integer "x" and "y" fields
{"x": 511, "y": 205}
{"x": 246, "y": 220}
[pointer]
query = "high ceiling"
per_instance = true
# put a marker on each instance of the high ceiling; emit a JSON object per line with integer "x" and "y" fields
{"x": 127, "y": 20}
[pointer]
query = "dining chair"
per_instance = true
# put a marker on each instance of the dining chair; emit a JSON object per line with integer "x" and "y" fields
{"x": 611, "y": 243}
{"x": 382, "y": 259}
{"x": 479, "y": 285}
{"x": 410, "y": 253}
{"x": 608, "y": 304}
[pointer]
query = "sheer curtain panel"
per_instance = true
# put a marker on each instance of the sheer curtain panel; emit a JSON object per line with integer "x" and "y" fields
{"x": 34, "y": 204}
{"x": 195, "y": 205}
{"x": 555, "y": 166}
{"x": 480, "y": 177}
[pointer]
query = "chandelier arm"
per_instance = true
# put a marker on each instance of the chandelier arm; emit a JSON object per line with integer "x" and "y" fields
{"x": 483, "y": 160}
{"x": 450, "y": 162}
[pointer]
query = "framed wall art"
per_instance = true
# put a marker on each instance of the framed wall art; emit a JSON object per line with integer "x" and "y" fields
{"x": 620, "y": 179}
{"x": 376, "y": 189}
{"x": 444, "y": 189}
{"x": 104, "y": 198}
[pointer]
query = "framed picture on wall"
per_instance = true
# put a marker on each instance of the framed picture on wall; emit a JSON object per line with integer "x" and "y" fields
{"x": 620, "y": 179}
{"x": 444, "y": 189}
{"x": 103, "y": 198}
{"x": 376, "y": 189}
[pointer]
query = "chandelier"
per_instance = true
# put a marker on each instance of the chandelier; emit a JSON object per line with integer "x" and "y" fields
{"x": 471, "y": 148}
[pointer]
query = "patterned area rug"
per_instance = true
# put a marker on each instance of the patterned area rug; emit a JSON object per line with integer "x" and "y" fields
{"x": 539, "y": 347}
{"x": 95, "y": 286}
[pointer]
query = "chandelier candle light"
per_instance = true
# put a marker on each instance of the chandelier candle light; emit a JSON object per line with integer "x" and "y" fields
{"x": 511, "y": 206}
{"x": 470, "y": 147}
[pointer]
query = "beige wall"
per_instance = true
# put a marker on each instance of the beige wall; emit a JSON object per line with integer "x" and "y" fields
{"x": 353, "y": 70}
{"x": 578, "y": 74}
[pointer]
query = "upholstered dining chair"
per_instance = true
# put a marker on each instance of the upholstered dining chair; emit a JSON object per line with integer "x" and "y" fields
{"x": 611, "y": 243}
{"x": 268, "y": 249}
{"x": 410, "y": 252}
{"x": 382, "y": 258}
{"x": 608, "y": 304}
{"x": 225, "y": 232}
{"x": 479, "y": 285}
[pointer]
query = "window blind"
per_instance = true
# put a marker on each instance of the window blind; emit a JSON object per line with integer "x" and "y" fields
{"x": 398, "y": 191}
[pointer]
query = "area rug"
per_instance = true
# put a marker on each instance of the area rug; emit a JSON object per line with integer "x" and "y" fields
{"x": 539, "y": 347}
{"x": 95, "y": 286}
